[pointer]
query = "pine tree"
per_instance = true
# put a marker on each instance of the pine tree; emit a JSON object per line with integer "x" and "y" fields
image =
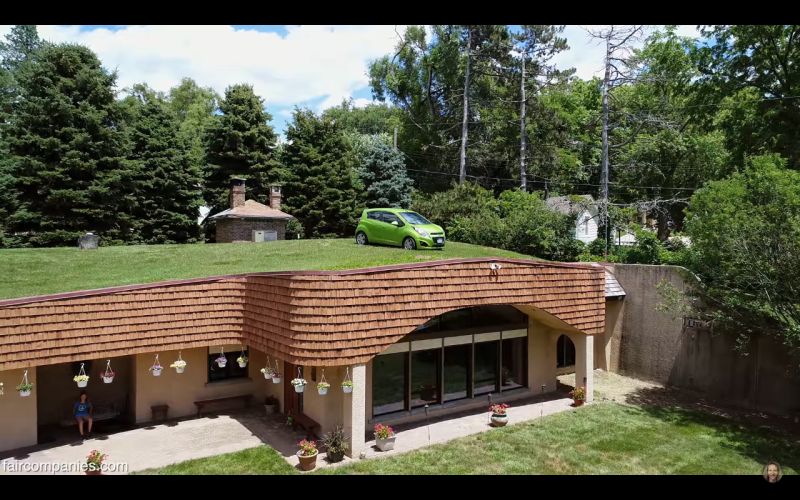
{"x": 382, "y": 170}
{"x": 68, "y": 151}
{"x": 321, "y": 188}
{"x": 240, "y": 143}
{"x": 167, "y": 181}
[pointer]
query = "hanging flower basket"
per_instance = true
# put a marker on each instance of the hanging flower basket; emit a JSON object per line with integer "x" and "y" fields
{"x": 108, "y": 374}
{"x": 156, "y": 370}
{"x": 242, "y": 360}
{"x": 221, "y": 361}
{"x": 267, "y": 371}
{"x": 276, "y": 378}
{"x": 25, "y": 389}
{"x": 322, "y": 388}
{"x": 347, "y": 386}
{"x": 82, "y": 380}
{"x": 299, "y": 384}
{"x": 179, "y": 366}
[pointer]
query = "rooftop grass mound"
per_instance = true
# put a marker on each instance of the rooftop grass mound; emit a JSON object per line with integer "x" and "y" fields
{"x": 38, "y": 271}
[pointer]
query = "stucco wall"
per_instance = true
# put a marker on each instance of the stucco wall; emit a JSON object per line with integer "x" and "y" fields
{"x": 326, "y": 410}
{"x": 180, "y": 391}
{"x": 17, "y": 414}
{"x": 655, "y": 346}
{"x": 241, "y": 230}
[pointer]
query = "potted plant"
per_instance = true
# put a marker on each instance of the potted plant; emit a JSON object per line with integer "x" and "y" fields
{"x": 179, "y": 366}
{"x": 308, "y": 454}
{"x": 94, "y": 463}
{"x": 322, "y": 388}
{"x": 347, "y": 386}
{"x": 25, "y": 389}
{"x": 299, "y": 384}
{"x": 276, "y": 377}
{"x": 108, "y": 376}
{"x": 271, "y": 405}
{"x": 82, "y": 380}
{"x": 156, "y": 369}
{"x": 335, "y": 443}
{"x": 221, "y": 360}
{"x": 242, "y": 360}
{"x": 267, "y": 371}
{"x": 499, "y": 414}
{"x": 578, "y": 396}
{"x": 384, "y": 437}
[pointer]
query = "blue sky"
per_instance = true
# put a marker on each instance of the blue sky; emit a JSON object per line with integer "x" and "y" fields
{"x": 309, "y": 65}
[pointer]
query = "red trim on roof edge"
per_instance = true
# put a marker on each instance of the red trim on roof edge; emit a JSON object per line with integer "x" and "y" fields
{"x": 346, "y": 272}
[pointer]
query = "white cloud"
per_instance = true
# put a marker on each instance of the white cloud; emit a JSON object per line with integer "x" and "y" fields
{"x": 324, "y": 63}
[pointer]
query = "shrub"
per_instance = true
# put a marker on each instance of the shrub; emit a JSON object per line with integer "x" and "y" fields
{"x": 335, "y": 441}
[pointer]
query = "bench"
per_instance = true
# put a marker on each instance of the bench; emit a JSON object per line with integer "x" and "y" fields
{"x": 101, "y": 412}
{"x": 201, "y": 404}
{"x": 312, "y": 428}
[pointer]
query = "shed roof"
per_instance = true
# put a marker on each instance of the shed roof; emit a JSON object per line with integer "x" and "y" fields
{"x": 252, "y": 210}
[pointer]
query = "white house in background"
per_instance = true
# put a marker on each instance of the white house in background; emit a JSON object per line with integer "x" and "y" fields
{"x": 585, "y": 210}
{"x": 623, "y": 238}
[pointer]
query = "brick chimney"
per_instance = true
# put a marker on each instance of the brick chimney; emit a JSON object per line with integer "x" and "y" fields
{"x": 237, "y": 192}
{"x": 275, "y": 196}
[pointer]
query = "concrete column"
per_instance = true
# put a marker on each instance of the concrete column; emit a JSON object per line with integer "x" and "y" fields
{"x": 584, "y": 363}
{"x": 354, "y": 410}
{"x": 18, "y": 415}
{"x": 541, "y": 359}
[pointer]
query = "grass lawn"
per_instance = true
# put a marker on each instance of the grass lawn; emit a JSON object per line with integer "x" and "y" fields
{"x": 51, "y": 270}
{"x": 604, "y": 438}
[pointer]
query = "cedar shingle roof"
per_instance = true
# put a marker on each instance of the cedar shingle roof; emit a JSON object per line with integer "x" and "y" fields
{"x": 252, "y": 210}
{"x": 314, "y": 318}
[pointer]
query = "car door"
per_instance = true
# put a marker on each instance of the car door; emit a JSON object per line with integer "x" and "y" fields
{"x": 394, "y": 228}
{"x": 372, "y": 226}
{"x": 379, "y": 227}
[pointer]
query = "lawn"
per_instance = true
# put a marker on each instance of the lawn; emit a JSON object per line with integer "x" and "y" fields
{"x": 604, "y": 438}
{"x": 38, "y": 271}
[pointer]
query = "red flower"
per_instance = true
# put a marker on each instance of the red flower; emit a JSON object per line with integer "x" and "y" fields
{"x": 383, "y": 431}
{"x": 498, "y": 409}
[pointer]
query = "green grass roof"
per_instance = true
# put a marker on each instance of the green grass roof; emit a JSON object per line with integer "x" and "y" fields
{"x": 39, "y": 271}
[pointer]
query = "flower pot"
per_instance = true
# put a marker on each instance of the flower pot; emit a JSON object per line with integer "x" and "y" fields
{"x": 307, "y": 462}
{"x": 97, "y": 472}
{"x": 157, "y": 373}
{"x": 267, "y": 376}
{"x": 347, "y": 389}
{"x": 222, "y": 362}
{"x": 108, "y": 380}
{"x": 179, "y": 369}
{"x": 242, "y": 364}
{"x": 385, "y": 444}
{"x": 271, "y": 409}
{"x": 499, "y": 420}
{"x": 322, "y": 391}
{"x": 83, "y": 383}
{"x": 25, "y": 394}
{"x": 299, "y": 388}
{"x": 578, "y": 402}
{"x": 276, "y": 380}
{"x": 334, "y": 457}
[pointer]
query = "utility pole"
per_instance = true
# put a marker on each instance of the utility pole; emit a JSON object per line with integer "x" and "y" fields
{"x": 523, "y": 174}
{"x": 462, "y": 174}
{"x": 604, "y": 161}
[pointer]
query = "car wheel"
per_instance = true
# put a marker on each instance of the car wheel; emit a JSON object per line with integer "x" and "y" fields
{"x": 361, "y": 238}
{"x": 409, "y": 244}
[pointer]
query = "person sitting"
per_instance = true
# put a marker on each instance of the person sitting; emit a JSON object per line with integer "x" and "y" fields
{"x": 83, "y": 410}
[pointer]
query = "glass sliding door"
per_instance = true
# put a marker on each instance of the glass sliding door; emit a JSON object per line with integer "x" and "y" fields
{"x": 456, "y": 371}
{"x": 513, "y": 372}
{"x": 425, "y": 367}
{"x": 389, "y": 383}
{"x": 486, "y": 367}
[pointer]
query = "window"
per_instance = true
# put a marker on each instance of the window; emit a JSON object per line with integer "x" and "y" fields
{"x": 374, "y": 215}
{"x": 425, "y": 377}
{"x": 231, "y": 369}
{"x": 414, "y": 218}
{"x": 389, "y": 218}
{"x": 389, "y": 383}
{"x": 513, "y": 372}
{"x": 456, "y": 371}
{"x": 486, "y": 367}
{"x": 565, "y": 353}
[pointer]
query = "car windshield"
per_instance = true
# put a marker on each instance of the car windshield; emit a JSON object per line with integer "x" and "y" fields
{"x": 414, "y": 218}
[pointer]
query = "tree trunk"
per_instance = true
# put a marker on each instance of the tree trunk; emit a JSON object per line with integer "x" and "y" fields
{"x": 462, "y": 174}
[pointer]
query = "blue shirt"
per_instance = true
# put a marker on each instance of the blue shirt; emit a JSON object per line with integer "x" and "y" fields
{"x": 82, "y": 409}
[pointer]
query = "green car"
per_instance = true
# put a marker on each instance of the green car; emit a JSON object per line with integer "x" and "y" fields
{"x": 396, "y": 226}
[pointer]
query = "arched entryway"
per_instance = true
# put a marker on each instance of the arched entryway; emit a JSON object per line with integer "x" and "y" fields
{"x": 565, "y": 355}
{"x": 455, "y": 357}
